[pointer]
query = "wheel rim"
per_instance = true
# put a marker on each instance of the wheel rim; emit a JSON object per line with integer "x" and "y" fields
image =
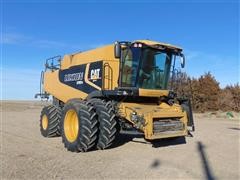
{"x": 44, "y": 122}
{"x": 71, "y": 125}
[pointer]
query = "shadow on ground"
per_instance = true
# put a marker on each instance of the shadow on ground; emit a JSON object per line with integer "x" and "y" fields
{"x": 234, "y": 128}
{"x": 155, "y": 164}
{"x": 205, "y": 164}
{"x": 126, "y": 137}
{"x": 168, "y": 142}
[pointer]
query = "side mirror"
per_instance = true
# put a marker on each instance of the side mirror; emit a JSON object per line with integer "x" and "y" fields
{"x": 182, "y": 57}
{"x": 117, "y": 50}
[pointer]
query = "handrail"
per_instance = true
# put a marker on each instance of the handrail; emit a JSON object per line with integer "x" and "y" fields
{"x": 41, "y": 94}
{"x": 51, "y": 63}
{"x": 107, "y": 76}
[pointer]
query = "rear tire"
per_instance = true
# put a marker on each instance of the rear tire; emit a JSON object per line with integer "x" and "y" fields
{"x": 79, "y": 131}
{"x": 107, "y": 123}
{"x": 50, "y": 121}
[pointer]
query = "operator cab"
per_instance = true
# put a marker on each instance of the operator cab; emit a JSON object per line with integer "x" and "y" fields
{"x": 146, "y": 64}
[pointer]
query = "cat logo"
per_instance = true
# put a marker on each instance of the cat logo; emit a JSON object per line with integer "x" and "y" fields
{"x": 95, "y": 74}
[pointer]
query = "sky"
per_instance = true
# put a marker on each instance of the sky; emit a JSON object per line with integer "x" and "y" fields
{"x": 32, "y": 31}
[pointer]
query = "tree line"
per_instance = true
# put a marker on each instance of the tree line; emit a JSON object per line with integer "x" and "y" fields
{"x": 205, "y": 93}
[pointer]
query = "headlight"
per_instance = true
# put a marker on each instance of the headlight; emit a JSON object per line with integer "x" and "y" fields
{"x": 134, "y": 117}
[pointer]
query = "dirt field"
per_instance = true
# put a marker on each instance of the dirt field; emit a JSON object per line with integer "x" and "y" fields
{"x": 212, "y": 153}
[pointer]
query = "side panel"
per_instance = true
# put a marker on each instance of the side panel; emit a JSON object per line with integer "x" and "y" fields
{"x": 75, "y": 82}
{"x": 85, "y": 77}
{"x": 106, "y": 53}
{"x": 63, "y": 92}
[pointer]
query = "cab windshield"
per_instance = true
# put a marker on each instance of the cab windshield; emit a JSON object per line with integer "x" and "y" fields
{"x": 145, "y": 68}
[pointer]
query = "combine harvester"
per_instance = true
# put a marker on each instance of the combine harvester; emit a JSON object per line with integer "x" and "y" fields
{"x": 119, "y": 86}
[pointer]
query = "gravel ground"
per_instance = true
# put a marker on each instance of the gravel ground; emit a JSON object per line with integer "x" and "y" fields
{"x": 213, "y": 152}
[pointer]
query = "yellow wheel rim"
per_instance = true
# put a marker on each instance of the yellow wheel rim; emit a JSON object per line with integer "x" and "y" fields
{"x": 44, "y": 122}
{"x": 71, "y": 125}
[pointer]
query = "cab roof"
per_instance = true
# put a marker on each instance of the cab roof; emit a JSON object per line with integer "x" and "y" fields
{"x": 155, "y": 43}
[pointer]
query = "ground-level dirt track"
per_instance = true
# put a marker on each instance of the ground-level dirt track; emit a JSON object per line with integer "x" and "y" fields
{"x": 213, "y": 152}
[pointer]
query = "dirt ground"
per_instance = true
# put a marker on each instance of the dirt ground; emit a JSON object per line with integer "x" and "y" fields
{"x": 213, "y": 152}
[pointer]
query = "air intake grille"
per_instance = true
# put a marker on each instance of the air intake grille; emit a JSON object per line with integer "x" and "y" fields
{"x": 163, "y": 125}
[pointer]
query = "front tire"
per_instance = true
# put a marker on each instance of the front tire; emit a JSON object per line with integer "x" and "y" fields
{"x": 78, "y": 126}
{"x": 107, "y": 123}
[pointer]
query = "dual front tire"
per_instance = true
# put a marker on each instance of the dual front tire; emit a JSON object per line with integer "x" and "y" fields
{"x": 83, "y": 125}
{"x": 78, "y": 126}
{"x": 107, "y": 122}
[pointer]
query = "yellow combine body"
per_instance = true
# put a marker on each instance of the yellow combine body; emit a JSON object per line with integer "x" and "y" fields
{"x": 97, "y": 93}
